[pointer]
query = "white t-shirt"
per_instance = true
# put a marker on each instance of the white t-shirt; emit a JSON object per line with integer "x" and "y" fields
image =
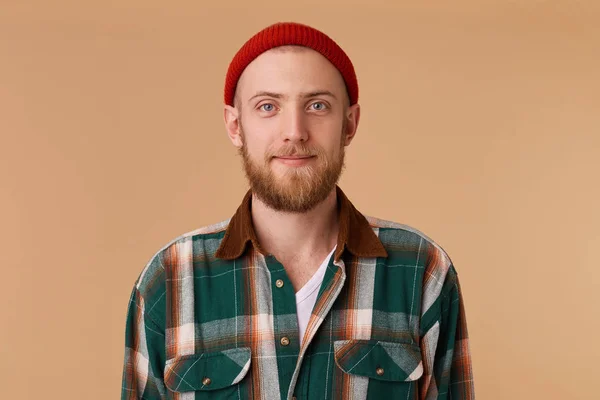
{"x": 306, "y": 297}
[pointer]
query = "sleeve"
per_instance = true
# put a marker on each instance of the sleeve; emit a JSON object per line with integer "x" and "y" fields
{"x": 144, "y": 354}
{"x": 447, "y": 358}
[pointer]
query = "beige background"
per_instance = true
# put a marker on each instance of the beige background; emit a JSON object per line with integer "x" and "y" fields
{"x": 480, "y": 127}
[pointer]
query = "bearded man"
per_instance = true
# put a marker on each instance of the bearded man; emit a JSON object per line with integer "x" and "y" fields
{"x": 298, "y": 295}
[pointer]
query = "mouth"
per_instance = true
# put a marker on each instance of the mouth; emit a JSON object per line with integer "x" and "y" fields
{"x": 293, "y": 157}
{"x": 294, "y": 160}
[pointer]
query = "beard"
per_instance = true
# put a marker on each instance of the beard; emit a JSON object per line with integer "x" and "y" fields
{"x": 298, "y": 189}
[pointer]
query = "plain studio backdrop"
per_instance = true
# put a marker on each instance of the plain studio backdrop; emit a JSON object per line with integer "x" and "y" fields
{"x": 480, "y": 127}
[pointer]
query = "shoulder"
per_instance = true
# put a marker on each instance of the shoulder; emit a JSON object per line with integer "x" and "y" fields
{"x": 398, "y": 237}
{"x": 407, "y": 245}
{"x": 200, "y": 242}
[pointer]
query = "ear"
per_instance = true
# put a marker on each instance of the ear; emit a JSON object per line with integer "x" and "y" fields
{"x": 231, "y": 116}
{"x": 352, "y": 118}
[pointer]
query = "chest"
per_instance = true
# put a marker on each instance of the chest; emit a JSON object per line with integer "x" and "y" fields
{"x": 244, "y": 334}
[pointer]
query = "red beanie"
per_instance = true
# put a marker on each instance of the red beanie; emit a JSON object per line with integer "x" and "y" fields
{"x": 290, "y": 33}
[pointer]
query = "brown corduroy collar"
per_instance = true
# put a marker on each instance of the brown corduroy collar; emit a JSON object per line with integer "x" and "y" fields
{"x": 355, "y": 233}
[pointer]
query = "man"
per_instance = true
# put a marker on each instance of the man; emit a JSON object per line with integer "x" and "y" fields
{"x": 298, "y": 295}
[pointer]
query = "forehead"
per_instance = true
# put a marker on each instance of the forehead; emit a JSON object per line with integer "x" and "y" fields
{"x": 290, "y": 70}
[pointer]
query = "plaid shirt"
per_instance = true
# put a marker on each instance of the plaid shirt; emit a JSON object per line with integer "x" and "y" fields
{"x": 213, "y": 317}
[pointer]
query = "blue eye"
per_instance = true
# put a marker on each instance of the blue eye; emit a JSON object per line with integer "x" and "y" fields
{"x": 267, "y": 107}
{"x": 321, "y": 106}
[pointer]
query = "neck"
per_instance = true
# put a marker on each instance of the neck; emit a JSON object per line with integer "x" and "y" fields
{"x": 290, "y": 235}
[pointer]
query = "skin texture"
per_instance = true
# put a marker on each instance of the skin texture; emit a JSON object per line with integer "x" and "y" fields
{"x": 291, "y": 123}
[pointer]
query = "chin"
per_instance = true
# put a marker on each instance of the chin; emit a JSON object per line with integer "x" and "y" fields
{"x": 286, "y": 174}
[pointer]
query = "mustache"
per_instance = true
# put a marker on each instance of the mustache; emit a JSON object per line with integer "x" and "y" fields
{"x": 294, "y": 150}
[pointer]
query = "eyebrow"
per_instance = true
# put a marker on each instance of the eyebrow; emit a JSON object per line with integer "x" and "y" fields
{"x": 304, "y": 95}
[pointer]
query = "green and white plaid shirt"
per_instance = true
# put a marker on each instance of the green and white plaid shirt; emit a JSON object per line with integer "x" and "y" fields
{"x": 212, "y": 316}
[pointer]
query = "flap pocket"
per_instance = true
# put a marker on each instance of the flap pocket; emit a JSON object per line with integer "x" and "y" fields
{"x": 207, "y": 371}
{"x": 388, "y": 361}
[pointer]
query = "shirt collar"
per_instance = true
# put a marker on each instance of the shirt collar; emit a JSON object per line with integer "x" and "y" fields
{"x": 355, "y": 233}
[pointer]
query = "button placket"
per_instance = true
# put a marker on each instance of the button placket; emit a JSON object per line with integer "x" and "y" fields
{"x": 284, "y": 325}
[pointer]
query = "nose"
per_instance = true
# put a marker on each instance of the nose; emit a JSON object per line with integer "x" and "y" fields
{"x": 294, "y": 127}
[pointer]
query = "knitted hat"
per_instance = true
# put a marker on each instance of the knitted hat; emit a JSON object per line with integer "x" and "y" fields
{"x": 290, "y": 33}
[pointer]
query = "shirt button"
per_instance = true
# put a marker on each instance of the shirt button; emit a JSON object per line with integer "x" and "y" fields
{"x": 206, "y": 381}
{"x": 379, "y": 371}
{"x": 279, "y": 283}
{"x": 285, "y": 341}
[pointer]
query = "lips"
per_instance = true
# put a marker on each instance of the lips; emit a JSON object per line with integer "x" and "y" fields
{"x": 294, "y": 161}
{"x": 293, "y": 157}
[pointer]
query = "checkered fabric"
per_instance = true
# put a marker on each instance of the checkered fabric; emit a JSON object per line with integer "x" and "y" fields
{"x": 206, "y": 319}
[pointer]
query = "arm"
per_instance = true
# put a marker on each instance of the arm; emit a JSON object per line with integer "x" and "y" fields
{"x": 447, "y": 358}
{"x": 453, "y": 367}
{"x": 144, "y": 354}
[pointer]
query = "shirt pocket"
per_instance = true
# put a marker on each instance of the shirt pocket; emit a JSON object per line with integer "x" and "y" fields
{"x": 379, "y": 368}
{"x": 212, "y": 375}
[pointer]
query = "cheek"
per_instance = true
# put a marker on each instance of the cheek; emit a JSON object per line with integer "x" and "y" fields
{"x": 252, "y": 135}
{"x": 334, "y": 143}
{"x": 256, "y": 147}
